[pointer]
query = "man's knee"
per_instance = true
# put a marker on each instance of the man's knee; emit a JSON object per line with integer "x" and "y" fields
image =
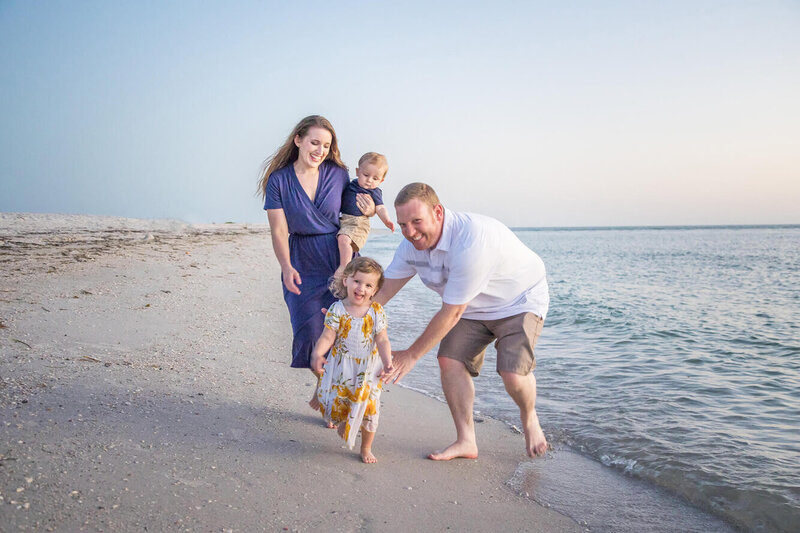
{"x": 517, "y": 382}
{"x": 449, "y": 365}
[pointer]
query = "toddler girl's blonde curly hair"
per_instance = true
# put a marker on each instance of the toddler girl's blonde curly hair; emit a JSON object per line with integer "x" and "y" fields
{"x": 366, "y": 265}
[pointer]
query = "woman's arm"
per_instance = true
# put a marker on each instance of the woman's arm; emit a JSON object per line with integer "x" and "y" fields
{"x": 279, "y": 230}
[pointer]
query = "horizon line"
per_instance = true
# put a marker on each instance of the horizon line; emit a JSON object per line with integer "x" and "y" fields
{"x": 654, "y": 226}
{"x": 516, "y": 228}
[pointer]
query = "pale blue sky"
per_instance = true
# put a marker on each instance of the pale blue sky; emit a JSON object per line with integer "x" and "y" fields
{"x": 537, "y": 113}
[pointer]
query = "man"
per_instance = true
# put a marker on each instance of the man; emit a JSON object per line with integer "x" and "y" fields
{"x": 493, "y": 288}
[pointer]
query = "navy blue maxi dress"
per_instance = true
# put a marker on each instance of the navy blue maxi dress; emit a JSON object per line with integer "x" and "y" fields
{"x": 313, "y": 250}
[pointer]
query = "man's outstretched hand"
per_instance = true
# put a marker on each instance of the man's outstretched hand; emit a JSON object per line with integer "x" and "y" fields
{"x": 403, "y": 361}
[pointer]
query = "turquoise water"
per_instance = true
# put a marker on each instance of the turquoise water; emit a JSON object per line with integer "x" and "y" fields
{"x": 670, "y": 355}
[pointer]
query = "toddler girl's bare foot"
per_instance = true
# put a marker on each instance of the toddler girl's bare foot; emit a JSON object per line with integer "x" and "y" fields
{"x": 367, "y": 457}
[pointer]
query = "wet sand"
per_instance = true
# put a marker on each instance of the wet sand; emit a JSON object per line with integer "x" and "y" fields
{"x": 144, "y": 384}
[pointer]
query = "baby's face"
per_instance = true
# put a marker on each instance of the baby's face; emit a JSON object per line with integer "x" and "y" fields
{"x": 370, "y": 175}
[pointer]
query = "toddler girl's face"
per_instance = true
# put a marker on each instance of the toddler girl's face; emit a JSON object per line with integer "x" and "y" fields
{"x": 361, "y": 287}
{"x": 370, "y": 175}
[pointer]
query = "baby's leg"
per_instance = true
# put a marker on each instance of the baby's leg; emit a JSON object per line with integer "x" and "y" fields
{"x": 366, "y": 446}
{"x": 345, "y": 251}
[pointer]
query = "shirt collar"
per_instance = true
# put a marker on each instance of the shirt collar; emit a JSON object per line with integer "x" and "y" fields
{"x": 447, "y": 232}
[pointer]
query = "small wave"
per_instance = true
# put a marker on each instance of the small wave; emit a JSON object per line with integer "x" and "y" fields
{"x": 627, "y": 465}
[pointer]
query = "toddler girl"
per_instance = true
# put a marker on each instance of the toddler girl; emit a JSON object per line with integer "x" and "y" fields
{"x": 359, "y": 355}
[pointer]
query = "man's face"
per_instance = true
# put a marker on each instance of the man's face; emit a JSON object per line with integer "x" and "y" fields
{"x": 420, "y": 223}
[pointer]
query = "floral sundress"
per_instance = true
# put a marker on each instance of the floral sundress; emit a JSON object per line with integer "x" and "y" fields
{"x": 349, "y": 390}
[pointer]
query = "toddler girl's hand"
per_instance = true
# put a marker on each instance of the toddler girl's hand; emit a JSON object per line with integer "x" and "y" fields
{"x": 386, "y": 372}
{"x": 316, "y": 363}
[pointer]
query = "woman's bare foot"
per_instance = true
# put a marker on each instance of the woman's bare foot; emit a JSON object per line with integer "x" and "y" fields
{"x": 457, "y": 450}
{"x": 330, "y": 425}
{"x": 314, "y": 403}
{"x": 535, "y": 441}
{"x": 367, "y": 457}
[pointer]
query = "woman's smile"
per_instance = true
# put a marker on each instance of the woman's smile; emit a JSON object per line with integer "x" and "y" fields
{"x": 314, "y": 147}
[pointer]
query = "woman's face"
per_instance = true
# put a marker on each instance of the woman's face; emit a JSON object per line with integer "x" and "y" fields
{"x": 314, "y": 147}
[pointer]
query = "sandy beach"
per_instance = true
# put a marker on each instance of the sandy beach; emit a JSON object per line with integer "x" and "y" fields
{"x": 145, "y": 385}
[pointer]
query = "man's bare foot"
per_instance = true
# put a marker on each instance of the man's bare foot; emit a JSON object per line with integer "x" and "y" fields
{"x": 457, "y": 450}
{"x": 535, "y": 441}
{"x": 367, "y": 457}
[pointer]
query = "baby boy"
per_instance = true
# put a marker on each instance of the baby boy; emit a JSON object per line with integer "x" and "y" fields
{"x": 353, "y": 225}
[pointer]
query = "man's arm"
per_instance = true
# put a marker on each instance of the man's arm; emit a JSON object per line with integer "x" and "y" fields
{"x": 390, "y": 288}
{"x": 439, "y": 326}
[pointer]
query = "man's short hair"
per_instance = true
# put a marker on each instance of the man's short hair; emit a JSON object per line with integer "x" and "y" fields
{"x": 420, "y": 191}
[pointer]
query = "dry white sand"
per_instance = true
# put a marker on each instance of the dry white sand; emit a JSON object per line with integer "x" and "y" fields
{"x": 145, "y": 385}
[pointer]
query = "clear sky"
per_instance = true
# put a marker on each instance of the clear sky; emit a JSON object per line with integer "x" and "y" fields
{"x": 537, "y": 113}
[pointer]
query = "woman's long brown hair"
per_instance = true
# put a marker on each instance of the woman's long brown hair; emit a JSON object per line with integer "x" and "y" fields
{"x": 288, "y": 153}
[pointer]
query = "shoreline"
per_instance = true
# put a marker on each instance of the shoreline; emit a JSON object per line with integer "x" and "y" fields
{"x": 145, "y": 383}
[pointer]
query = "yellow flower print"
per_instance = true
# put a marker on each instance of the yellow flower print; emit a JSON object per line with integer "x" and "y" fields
{"x": 339, "y": 410}
{"x": 361, "y": 394}
{"x": 344, "y": 329}
{"x": 366, "y": 326}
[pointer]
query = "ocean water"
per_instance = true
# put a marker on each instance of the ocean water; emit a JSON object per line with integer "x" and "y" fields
{"x": 669, "y": 365}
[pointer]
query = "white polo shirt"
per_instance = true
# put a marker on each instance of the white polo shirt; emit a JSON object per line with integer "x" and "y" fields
{"x": 478, "y": 261}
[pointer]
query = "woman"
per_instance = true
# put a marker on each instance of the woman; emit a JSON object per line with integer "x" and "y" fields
{"x": 302, "y": 186}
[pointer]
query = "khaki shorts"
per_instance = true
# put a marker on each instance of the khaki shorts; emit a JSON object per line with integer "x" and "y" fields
{"x": 515, "y": 338}
{"x": 357, "y": 228}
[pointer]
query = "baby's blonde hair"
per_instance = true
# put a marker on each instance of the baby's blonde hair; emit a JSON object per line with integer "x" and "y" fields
{"x": 366, "y": 265}
{"x": 376, "y": 159}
